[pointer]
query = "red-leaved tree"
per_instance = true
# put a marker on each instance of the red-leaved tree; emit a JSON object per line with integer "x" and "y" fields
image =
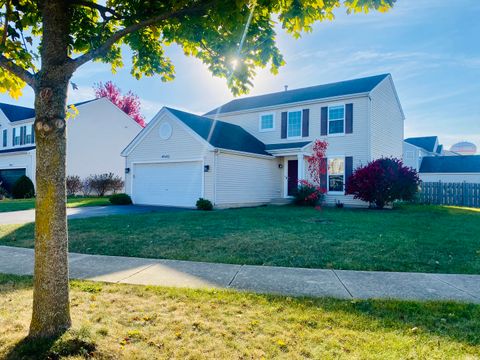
{"x": 129, "y": 103}
{"x": 383, "y": 181}
{"x": 317, "y": 163}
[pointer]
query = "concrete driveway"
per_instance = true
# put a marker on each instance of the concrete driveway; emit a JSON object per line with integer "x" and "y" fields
{"x": 26, "y": 216}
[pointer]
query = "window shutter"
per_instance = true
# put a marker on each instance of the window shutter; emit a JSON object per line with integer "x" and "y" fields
{"x": 348, "y": 118}
{"x": 323, "y": 177}
{"x": 305, "y": 122}
{"x": 33, "y": 134}
{"x": 13, "y": 136}
{"x": 22, "y": 135}
{"x": 324, "y": 121}
{"x": 348, "y": 169}
{"x": 284, "y": 125}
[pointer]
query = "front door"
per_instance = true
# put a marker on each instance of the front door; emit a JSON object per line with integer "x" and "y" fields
{"x": 292, "y": 182}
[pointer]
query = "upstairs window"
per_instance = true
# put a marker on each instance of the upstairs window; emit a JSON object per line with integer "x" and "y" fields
{"x": 336, "y": 174}
{"x": 16, "y": 136}
{"x": 267, "y": 122}
{"x": 336, "y": 119}
{"x": 5, "y": 134}
{"x": 28, "y": 135}
{"x": 294, "y": 124}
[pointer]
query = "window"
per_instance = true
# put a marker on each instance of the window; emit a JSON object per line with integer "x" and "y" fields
{"x": 28, "y": 135}
{"x": 336, "y": 119}
{"x": 336, "y": 174}
{"x": 294, "y": 124}
{"x": 267, "y": 122}
{"x": 16, "y": 136}
{"x": 5, "y": 138}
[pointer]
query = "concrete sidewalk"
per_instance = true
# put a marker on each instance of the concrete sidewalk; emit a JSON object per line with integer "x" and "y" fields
{"x": 26, "y": 216}
{"x": 262, "y": 279}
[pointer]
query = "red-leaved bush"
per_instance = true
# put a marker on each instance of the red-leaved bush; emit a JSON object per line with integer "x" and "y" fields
{"x": 308, "y": 194}
{"x": 317, "y": 163}
{"x": 383, "y": 181}
{"x": 129, "y": 103}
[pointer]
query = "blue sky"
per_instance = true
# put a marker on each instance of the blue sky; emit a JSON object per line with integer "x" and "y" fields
{"x": 431, "y": 48}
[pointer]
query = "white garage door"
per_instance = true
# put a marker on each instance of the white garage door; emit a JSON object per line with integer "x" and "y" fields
{"x": 171, "y": 184}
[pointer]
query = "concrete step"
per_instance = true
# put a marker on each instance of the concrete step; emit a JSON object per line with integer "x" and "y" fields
{"x": 281, "y": 201}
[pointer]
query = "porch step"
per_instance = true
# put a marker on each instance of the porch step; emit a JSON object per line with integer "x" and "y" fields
{"x": 281, "y": 201}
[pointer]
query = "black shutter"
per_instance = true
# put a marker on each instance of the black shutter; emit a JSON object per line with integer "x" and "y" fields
{"x": 33, "y": 134}
{"x": 348, "y": 169}
{"x": 348, "y": 118}
{"x": 13, "y": 136}
{"x": 22, "y": 135}
{"x": 324, "y": 121}
{"x": 305, "y": 122}
{"x": 323, "y": 176}
{"x": 284, "y": 125}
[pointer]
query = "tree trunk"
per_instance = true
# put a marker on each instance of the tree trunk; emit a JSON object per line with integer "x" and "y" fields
{"x": 51, "y": 308}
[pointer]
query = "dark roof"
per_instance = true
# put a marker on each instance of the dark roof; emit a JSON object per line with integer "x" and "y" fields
{"x": 451, "y": 164}
{"x": 85, "y": 102}
{"x": 19, "y": 149}
{"x": 426, "y": 142}
{"x": 286, "y": 145}
{"x": 349, "y": 87}
{"x": 17, "y": 113}
{"x": 224, "y": 135}
{"x": 439, "y": 149}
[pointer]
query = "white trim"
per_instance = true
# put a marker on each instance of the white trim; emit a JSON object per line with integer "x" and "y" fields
{"x": 260, "y": 122}
{"x": 328, "y": 180}
{"x": 243, "y": 153}
{"x": 295, "y": 104}
{"x": 301, "y": 123}
{"x": 328, "y": 120}
{"x": 202, "y": 160}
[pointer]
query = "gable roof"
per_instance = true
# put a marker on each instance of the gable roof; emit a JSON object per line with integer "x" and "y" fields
{"x": 425, "y": 142}
{"x": 221, "y": 134}
{"x": 16, "y": 113}
{"x": 451, "y": 164}
{"x": 342, "y": 88}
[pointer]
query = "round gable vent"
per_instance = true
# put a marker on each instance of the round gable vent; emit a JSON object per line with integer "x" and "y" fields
{"x": 165, "y": 131}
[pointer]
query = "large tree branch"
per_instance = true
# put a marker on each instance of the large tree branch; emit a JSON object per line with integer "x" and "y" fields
{"x": 103, "y": 10}
{"x": 103, "y": 49}
{"x": 16, "y": 70}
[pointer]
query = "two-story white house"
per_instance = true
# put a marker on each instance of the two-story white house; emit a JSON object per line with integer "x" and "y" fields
{"x": 253, "y": 150}
{"x": 95, "y": 138}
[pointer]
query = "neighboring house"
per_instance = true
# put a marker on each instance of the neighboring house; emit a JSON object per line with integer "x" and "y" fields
{"x": 451, "y": 169}
{"x": 433, "y": 163}
{"x": 253, "y": 150}
{"x": 95, "y": 138}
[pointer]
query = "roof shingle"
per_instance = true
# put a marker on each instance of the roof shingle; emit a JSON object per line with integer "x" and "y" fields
{"x": 425, "y": 142}
{"x": 451, "y": 164}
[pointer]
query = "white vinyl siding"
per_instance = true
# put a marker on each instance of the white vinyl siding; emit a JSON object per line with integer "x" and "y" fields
{"x": 451, "y": 177}
{"x": 243, "y": 180}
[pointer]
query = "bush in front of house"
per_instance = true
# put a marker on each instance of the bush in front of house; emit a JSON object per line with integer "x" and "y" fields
{"x": 102, "y": 184}
{"x": 74, "y": 185}
{"x": 23, "y": 188}
{"x": 308, "y": 194}
{"x": 204, "y": 204}
{"x": 120, "y": 199}
{"x": 3, "y": 191}
{"x": 383, "y": 181}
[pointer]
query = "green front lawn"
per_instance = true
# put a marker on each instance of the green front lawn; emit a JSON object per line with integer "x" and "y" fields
{"x": 27, "y": 204}
{"x": 114, "y": 321}
{"x": 409, "y": 238}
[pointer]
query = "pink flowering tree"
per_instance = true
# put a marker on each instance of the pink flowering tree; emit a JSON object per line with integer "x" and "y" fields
{"x": 311, "y": 192}
{"x": 129, "y": 103}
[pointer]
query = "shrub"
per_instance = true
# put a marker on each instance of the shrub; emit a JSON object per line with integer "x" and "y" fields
{"x": 204, "y": 204}
{"x": 120, "y": 199}
{"x": 74, "y": 185}
{"x": 308, "y": 194}
{"x": 383, "y": 181}
{"x": 3, "y": 192}
{"x": 103, "y": 183}
{"x": 87, "y": 187}
{"x": 23, "y": 188}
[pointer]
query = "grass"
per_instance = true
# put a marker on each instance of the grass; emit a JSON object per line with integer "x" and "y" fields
{"x": 72, "y": 202}
{"x": 114, "y": 321}
{"x": 410, "y": 238}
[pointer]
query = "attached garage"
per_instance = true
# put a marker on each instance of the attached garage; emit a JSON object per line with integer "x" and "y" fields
{"x": 8, "y": 177}
{"x": 167, "y": 183}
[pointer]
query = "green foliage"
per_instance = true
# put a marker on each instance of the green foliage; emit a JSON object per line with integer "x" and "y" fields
{"x": 23, "y": 188}
{"x": 213, "y": 31}
{"x": 204, "y": 204}
{"x": 308, "y": 194}
{"x": 120, "y": 199}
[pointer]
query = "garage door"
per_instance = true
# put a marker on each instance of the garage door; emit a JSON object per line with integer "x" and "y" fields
{"x": 8, "y": 177}
{"x": 171, "y": 184}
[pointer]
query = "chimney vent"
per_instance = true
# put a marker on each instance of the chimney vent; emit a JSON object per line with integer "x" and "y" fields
{"x": 286, "y": 87}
